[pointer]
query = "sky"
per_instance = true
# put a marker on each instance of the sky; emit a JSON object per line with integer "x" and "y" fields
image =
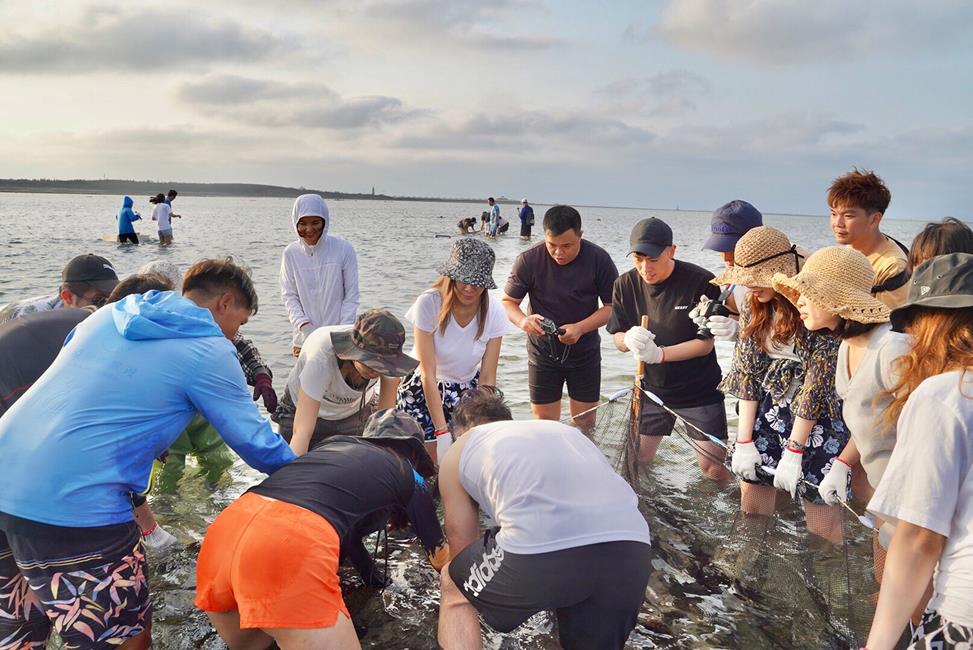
{"x": 678, "y": 103}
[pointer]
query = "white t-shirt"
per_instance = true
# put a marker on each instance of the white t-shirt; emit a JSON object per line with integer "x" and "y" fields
{"x": 161, "y": 213}
{"x": 317, "y": 374}
{"x": 548, "y": 487}
{"x": 458, "y": 350}
{"x": 928, "y": 482}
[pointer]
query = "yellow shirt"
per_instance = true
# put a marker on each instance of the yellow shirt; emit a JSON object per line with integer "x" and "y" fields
{"x": 888, "y": 261}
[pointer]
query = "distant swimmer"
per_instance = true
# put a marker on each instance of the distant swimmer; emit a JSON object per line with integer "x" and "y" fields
{"x": 126, "y": 217}
{"x": 579, "y": 547}
{"x": 467, "y": 226}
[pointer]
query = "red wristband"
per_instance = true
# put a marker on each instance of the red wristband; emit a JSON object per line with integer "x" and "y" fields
{"x": 440, "y": 432}
{"x": 799, "y": 452}
{"x": 150, "y": 530}
{"x": 844, "y": 462}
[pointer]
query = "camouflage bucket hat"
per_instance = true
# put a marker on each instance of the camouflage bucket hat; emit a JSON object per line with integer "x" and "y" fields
{"x": 376, "y": 340}
{"x": 400, "y": 432}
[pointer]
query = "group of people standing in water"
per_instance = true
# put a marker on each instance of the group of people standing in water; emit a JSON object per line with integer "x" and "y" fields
{"x": 851, "y": 368}
{"x": 161, "y": 213}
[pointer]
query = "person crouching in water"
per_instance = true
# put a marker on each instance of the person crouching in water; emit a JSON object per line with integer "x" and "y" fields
{"x": 268, "y": 566}
{"x": 927, "y": 488}
{"x": 579, "y": 547}
{"x": 783, "y": 375}
{"x": 331, "y": 389}
{"x": 466, "y": 226}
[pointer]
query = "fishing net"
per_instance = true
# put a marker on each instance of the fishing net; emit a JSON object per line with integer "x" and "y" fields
{"x": 796, "y": 577}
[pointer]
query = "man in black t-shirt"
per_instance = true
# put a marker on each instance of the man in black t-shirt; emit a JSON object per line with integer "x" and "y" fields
{"x": 681, "y": 369}
{"x": 565, "y": 277}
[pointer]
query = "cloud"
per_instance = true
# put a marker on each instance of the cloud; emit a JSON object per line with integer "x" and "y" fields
{"x": 108, "y": 38}
{"x": 270, "y": 103}
{"x": 666, "y": 93}
{"x": 777, "y": 135}
{"x": 770, "y": 32}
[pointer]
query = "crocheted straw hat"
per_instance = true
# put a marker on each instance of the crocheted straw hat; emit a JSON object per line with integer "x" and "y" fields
{"x": 760, "y": 253}
{"x": 837, "y": 279}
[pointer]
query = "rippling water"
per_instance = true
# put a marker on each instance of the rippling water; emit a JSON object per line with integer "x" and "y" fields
{"x": 692, "y": 600}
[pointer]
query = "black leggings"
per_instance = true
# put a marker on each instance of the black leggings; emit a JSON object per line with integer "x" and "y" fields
{"x": 130, "y": 237}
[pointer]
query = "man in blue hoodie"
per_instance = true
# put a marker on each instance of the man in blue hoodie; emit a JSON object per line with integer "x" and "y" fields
{"x": 126, "y": 217}
{"x": 83, "y": 437}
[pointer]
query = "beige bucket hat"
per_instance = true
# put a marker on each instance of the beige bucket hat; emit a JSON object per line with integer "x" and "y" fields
{"x": 837, "y": 279}
{"x": 760, "y": 253}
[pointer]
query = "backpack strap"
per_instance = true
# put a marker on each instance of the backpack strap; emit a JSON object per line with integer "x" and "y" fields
{"x": 895, "y": 282}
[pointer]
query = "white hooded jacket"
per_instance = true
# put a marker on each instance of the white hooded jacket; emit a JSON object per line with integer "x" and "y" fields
{"x": 319, "y": 284}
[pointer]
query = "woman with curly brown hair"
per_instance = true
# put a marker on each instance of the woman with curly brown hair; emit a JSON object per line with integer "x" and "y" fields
{"x": 927, "y": 488}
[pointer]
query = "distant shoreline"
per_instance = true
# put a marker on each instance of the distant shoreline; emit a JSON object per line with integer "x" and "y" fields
{"x": 134, "y": 188}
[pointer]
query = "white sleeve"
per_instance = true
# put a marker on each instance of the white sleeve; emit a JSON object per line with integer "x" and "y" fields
{"x": 424, "y": 312}
{"x": 894, "y": 347}
{"x": 930, "y": 451}
{"x": 313, "y": 378}
{"x": 497, "y": 322}
{"x": 349, "y": 277}
{"x": 288, "y": 292}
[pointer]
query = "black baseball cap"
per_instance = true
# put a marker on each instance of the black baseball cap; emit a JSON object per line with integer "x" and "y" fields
{"x": 729, "y": 223}
{"x": 93, "y": 270}
{"x": 650, "y": 237}
{"x": 942, "y": 282}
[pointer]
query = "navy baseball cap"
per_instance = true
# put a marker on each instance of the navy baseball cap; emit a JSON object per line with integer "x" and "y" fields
{"x": 650, "y": 237}
{"x": 731, "y": 222}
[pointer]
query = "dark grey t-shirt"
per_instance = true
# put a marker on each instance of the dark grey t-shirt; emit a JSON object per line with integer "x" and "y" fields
{"x": 565, "y": 294}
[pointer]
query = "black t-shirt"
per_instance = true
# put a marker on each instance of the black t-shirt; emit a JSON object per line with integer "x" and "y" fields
{"x": 565, "y": 294}
{"x": 356, "y": 486}
{"x": 28, "y": 347}
{"x": 687, "y": 383}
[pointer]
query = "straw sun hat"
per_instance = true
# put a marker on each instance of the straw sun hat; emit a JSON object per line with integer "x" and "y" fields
{"x": 760, "y": 253}
{"x": 837, "y": 279}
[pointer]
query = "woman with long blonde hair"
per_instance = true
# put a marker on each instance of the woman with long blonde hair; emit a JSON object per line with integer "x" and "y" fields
{"x": 927, "y": 488}
{"x": 458, "y": 329}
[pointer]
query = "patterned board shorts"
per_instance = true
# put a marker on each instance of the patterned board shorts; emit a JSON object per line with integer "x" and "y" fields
{"x": 771, "y": 431}
{"x": 936, "y": 633}
{"x": 91, "y": 588}
{"x": 411, "y": 399}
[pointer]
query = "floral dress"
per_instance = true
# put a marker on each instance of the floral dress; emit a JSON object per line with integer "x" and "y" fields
{"x": 785, "y": 388}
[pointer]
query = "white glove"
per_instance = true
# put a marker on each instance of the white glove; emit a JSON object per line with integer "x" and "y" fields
{"x": 696, "y": 314}
{"x": 159, "y": 538}
{"x": 443, "y": 443}
{"x": 723, "y": 328}
{"x": 637, "y": 338}
{"x": 834, "y": 486}
{"x": 789, "y": 472}
{"x": 745, "y": 460}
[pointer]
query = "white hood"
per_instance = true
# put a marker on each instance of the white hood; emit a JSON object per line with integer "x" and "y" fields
{"x": 311, "y": 205}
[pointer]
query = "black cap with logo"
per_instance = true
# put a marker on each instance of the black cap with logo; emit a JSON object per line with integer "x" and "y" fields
{"x": 650, "y": 237}
{"x": 93, "y": 270}
{"x": 942, "y": 282}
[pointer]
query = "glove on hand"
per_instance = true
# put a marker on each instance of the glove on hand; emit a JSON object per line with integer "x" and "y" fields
{"x": 159, "y": 538}
{"x": 789, "y": 471}
{"x": 637, "y": 338}
{"x": 696, "y": 314}
{"x": 834, "y": 486}
{"x": 723, "y": 328}
{"x": 651, "y": 353}
{"x": 745, "y": 460}
{"x": 263, "y": 388}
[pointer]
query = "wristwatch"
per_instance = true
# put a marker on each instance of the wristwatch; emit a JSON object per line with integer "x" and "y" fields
{"x": 796, "y": 446}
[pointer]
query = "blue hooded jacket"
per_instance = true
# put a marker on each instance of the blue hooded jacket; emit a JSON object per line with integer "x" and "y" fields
{"x": 126, "y": 217}
{"x": 124, "y": 386}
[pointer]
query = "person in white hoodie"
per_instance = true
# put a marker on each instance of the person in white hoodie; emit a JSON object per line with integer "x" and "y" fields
{"x": 318, "y": 273}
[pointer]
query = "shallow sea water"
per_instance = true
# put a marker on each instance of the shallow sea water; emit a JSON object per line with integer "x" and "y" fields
{"x": 693, "y": 599}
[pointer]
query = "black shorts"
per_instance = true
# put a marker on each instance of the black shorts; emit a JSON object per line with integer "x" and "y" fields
{"x": 525, "y": 229}
{"x": 654, "y": 421}
{"x": 130, "y": 237}
{"x": 546, "y": 377}
{"x": 504, "y": 228}
{"x": 595, "y": 590}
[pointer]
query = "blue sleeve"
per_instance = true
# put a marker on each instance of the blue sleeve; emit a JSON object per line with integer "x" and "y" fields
{"x": 219, "y": 391}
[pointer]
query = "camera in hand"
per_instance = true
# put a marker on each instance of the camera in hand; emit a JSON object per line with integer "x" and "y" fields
{"x": 714, "y": 308}
{"x": 550, "y": 327}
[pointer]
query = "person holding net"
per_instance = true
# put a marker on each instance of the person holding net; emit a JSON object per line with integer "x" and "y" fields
{"x": 681, "y": 367}
{"x": 927, "y": 487}
{"x": 783, "y": 374}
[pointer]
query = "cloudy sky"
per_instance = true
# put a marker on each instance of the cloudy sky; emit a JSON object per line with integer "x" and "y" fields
{"x": 684, "y": 103}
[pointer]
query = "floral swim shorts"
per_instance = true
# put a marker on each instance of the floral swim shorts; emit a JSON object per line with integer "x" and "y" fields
{"x": 90, "y": 585}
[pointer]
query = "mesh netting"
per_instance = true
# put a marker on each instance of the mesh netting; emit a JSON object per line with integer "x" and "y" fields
{"x": 796, "y": 577}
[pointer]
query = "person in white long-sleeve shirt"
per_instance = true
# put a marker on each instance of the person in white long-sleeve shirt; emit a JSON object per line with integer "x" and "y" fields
{"x": 318, "y": 272}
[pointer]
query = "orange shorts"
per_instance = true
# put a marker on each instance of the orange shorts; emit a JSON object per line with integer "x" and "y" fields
{"x": 273, "y": 562}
